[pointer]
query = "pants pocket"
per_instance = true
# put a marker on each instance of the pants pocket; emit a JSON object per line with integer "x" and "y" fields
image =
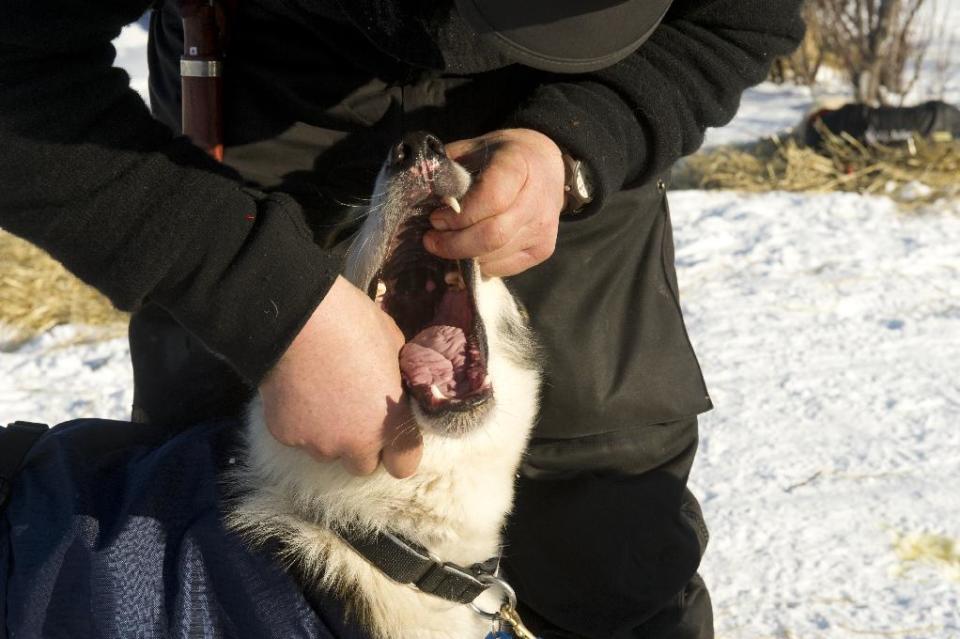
{"x": 605, "y": 309}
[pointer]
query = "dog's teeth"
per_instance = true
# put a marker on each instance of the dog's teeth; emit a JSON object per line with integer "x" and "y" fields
{"x": 452, "y": 202}
{"x": 453, "y": 278}
{"x": 436, "y": 392}
{"x": 381, "y": 288}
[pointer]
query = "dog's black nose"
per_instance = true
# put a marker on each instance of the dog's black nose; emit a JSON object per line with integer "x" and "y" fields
{"x": 415, "y": 147}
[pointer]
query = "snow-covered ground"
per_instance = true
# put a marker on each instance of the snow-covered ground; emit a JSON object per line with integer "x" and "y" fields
{"x": 68, "y": 372}
{"x": 131, "y": 56}
{"x": 829, "y": 331}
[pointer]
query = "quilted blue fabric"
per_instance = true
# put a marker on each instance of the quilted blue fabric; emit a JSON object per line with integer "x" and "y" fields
{"x": 114, "y": 531}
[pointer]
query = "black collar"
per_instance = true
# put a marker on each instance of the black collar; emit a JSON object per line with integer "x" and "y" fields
{"x": 407, "y": 562}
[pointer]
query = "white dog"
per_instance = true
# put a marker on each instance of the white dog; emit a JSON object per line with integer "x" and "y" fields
{"x": 469, "y": 370}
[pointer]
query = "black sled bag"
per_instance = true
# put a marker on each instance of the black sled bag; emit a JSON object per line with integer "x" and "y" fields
{"x": 113, "y": 530}
{"x": 887, "y": 125}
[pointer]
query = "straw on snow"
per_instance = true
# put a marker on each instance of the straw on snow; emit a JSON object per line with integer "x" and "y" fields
{"x": 38, "y": 293}
{"x": 922, "y": 170}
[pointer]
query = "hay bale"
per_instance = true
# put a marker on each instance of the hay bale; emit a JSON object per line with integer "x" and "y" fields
{"x": 37, "y": 293}
{"x": 843, "y": 165}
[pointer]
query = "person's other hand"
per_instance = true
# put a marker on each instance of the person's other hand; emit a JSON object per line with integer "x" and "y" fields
{"x": 337, "y": 392}
{"x": 511, "y": 214}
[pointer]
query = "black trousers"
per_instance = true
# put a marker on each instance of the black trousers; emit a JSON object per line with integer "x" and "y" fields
{"x": 605, "y": 536}
{"x": 689, "y": 615}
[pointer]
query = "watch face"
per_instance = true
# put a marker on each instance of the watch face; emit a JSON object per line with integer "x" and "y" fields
{"x": 580, "y": 183}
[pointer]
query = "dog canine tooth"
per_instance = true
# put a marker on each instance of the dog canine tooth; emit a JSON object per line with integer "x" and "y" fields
{"x": 436, "y": 392}
{"x": 381, "y": 288}
{"x": 452, "y": 202}
{"x": 454, "y": 278}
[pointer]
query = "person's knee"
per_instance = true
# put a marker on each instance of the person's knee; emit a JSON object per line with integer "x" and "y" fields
{"x": 688, "y": 616}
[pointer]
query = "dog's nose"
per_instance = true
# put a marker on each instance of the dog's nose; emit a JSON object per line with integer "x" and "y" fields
{"x": 415, "y": 147}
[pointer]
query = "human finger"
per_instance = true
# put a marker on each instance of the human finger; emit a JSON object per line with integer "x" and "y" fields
{"x": 482, "y": 238}
{"x": 361, "y": 462}
{"x": 515, "y": 263}
{"x": 401, "y": 456}
{"x": 493, "y": 192}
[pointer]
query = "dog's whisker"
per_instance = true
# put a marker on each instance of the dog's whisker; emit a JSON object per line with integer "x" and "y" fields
{"x": 407, "y": 428}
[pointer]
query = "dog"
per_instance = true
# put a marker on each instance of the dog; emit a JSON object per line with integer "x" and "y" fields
{"x": 469, "y": 369}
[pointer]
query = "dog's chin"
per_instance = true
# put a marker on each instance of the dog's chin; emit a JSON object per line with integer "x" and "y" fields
{"x": 453, "y": 422}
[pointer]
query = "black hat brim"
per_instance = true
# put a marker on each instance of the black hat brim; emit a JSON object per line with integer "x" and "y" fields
{"x": 564, "y": 36}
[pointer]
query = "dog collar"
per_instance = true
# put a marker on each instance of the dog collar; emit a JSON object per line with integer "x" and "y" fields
{"x": 407, "y": 562}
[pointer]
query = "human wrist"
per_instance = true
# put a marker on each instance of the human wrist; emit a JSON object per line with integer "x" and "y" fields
{"x": 567, "y": 112}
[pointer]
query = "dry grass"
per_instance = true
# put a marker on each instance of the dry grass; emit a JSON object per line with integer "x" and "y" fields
{"x": 920, "y": 172}
{"x": 37, "y": 293}
{"x": 931, "y": 549}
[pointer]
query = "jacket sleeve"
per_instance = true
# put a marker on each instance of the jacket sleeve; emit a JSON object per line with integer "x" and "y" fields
{"x": 88, "y": 175}
{"x": 634, "y": 119}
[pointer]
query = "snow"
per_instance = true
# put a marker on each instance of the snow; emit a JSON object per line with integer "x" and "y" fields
{"x": 131, "y": 55}
{"x": 828, "y": 327}
{"x": 66, "y": 373}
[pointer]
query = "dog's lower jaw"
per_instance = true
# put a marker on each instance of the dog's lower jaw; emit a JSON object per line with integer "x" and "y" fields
{"x": 454, "y": 505}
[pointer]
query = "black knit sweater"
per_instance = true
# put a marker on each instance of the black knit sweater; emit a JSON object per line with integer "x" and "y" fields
{"x": 90, "y": 176}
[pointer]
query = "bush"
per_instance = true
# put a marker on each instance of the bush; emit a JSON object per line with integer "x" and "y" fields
{"x": 879, "y": 46}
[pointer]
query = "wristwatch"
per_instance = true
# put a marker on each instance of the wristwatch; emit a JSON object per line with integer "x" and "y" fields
{"x": 577, "y": 185}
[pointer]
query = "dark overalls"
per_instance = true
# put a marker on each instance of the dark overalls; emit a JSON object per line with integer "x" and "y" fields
{"x": 605, "y": 539}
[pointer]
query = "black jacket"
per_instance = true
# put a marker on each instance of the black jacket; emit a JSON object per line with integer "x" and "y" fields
{"x": 89, "y": 175}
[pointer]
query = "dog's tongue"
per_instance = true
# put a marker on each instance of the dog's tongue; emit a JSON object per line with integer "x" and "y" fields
{"x": 437, "y": 354}
{"x": 433, "y": 356}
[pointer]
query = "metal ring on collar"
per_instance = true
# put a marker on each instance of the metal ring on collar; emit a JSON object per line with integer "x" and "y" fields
{"x": 200, "y": 68}
{"x": 509, "y": 596}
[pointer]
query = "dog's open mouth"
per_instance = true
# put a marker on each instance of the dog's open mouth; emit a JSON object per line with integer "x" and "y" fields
{"x": 433, "y": 301}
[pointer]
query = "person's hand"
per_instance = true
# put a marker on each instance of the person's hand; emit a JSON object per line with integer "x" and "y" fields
{"x": 511, "y": 214}
{"x": 337, "y": 393}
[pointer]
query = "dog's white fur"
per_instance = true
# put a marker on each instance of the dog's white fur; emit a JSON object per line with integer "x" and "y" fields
{"x": 454, "y": 505}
